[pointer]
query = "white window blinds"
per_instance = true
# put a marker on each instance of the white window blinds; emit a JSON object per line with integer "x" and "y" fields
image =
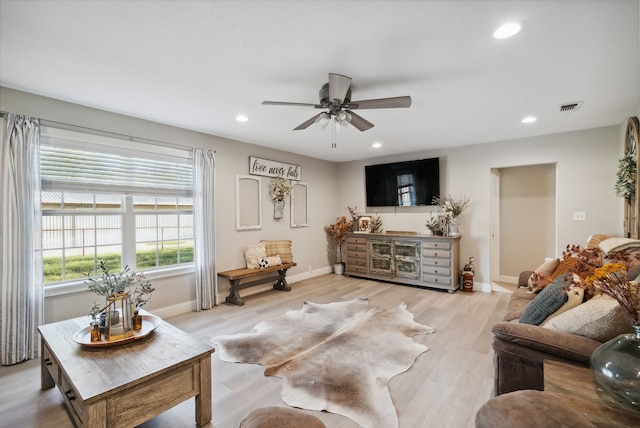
{"x": 75, "y": 161}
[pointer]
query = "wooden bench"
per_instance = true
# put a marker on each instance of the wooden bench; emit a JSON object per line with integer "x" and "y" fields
{"x": 235, "y": 277}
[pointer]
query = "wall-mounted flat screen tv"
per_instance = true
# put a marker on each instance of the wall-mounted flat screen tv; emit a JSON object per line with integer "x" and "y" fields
{"x": 402, "y": 184}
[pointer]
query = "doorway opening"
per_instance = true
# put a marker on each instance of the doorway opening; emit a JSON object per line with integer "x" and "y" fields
{"x": 523, "y": 221}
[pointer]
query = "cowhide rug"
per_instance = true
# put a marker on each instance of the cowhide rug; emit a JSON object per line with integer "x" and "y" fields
{"x": 337, "y": 357}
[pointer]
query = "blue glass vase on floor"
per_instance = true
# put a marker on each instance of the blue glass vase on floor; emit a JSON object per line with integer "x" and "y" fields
{"x": 616, "y": 368}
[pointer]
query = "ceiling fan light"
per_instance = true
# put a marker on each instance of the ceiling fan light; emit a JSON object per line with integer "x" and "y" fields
{"x": 323, "y": 120}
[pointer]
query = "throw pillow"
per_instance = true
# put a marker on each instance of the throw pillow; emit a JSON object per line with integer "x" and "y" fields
{"x": 265, "y": 262}
{"x": 563, "y": 267}
{"x": 547, "y": 268}
{"x": 252, "y": 253}
{"x": 274, "y": 260}
{"x": 280, "y": 248}
{"x": 575, "y": 297}
{"x": 627, "y": 245}
{"x": 600, "y": 318}
{"x": 549, "y": 300}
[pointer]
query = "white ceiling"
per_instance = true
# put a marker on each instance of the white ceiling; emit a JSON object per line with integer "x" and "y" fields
{"x": 197, "y": 64}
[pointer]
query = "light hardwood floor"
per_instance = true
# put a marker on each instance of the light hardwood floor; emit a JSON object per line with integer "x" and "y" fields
{"x": 444, "y": 388}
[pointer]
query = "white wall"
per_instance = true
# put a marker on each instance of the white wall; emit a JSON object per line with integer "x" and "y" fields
{"x": 586, "y": 166}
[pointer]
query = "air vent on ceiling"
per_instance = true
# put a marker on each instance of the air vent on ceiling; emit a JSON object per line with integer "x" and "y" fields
{"x": 570, "y": 107}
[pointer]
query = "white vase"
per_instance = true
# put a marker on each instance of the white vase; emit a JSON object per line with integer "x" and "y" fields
{"x": 278, "y": 208}
{"x": 453, "y": 227}
{"x": 338, "y": 269}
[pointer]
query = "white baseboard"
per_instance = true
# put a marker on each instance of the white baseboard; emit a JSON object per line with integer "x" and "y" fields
{"x": 482, "y": 286}
{"x": 173, "y": 310}
{"x": 508, "y": 279}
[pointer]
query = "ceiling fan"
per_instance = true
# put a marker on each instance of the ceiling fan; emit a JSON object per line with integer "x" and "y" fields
{"x": 335, "y": 97}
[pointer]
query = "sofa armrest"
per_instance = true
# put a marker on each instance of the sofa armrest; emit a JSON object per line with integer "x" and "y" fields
{"x": 565, "y": 346}
{"x": 519, "y": 351}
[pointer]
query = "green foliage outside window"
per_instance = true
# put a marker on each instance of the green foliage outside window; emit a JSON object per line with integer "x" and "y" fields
{"x": 77, "y": 267}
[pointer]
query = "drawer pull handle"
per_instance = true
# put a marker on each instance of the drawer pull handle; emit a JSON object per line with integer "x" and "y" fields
{"x": 47, "y": 362}
{"x": 70, "y": 395}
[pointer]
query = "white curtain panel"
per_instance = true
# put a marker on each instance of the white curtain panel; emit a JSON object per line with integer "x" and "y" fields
{"x": 22, "y": 297}
{"x": 204, "y": 167}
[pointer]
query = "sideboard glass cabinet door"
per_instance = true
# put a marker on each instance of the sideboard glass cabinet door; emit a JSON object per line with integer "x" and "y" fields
{"x": 380, "y": 256}
{"x": 407, "y": 259}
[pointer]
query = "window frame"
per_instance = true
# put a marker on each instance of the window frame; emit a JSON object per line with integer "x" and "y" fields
{"x": 97, "y": 143}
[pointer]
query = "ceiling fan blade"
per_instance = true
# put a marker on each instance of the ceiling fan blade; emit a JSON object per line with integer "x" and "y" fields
{"x": 394, "y": 102}
{"x": 338, "y": 87}
{"x": 359, "y": 122}
{"x": 284, "y": 103}
{"x": 308, "y": 123}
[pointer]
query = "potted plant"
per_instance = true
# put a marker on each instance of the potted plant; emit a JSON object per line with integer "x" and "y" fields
{"x": 436, "y": 225}
{"x": 337, "y": 232}
{"x": 125, "y": 293}
{"x": 376, "y": 224}
{"x": 451, "y": 208}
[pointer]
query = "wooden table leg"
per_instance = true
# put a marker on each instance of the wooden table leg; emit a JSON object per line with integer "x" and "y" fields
{"x": 203, "y": 399}
{"x": 234, "y": 293}
{"x": 46, "y": 380}
{"x": 281, "y": 283}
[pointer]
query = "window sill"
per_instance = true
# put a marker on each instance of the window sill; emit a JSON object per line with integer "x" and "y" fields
{"x": 80, "y": 286}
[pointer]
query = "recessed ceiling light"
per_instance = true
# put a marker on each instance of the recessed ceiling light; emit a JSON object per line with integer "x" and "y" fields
{"x": 376, "y": 145}
{"x": 507, "y": 30}
{"x": 242, "y": 118}
{"x": 529, "y": 119}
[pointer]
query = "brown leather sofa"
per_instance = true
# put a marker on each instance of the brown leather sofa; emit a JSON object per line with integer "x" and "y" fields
{"x": 519, "y": 349}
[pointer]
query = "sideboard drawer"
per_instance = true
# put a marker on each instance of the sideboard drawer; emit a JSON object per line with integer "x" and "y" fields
{"x": 430, "y": 245}
{"x": 356, "y": 240}
{"x": 437, "y": 253}
{"x": 357, "y": 269}
{"x": 441, "y": 280}
{"x": 356, "y": 261}
{"x": 436, "y": 270}
{"x": 357, "y": 247}
{"x": 356, "y": 255}
{"x": 436, "y": 262}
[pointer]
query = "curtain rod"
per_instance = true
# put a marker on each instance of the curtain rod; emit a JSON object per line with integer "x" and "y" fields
{"x": 72, "y": 127}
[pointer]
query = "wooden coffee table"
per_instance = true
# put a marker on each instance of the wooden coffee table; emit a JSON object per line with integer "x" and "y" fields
{"x": 575, "y": 385}
{"x": 128, "y": 384}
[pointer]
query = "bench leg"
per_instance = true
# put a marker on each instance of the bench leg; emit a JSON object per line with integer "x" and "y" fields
{"x": 281, "y": 283}
{"x": 234, "y": 293}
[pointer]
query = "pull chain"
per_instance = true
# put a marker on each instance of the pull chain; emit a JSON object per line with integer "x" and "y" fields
{"x": 333, "y": 131}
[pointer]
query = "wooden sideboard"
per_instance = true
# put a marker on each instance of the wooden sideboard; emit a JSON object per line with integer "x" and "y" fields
{"x": 425, "y": 261}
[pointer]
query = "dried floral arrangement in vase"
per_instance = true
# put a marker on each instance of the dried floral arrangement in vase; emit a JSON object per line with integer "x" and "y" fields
{"x": 125, "y": 293}
{"x": 337, "y": 232}
{"x": 279, "y": 189}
